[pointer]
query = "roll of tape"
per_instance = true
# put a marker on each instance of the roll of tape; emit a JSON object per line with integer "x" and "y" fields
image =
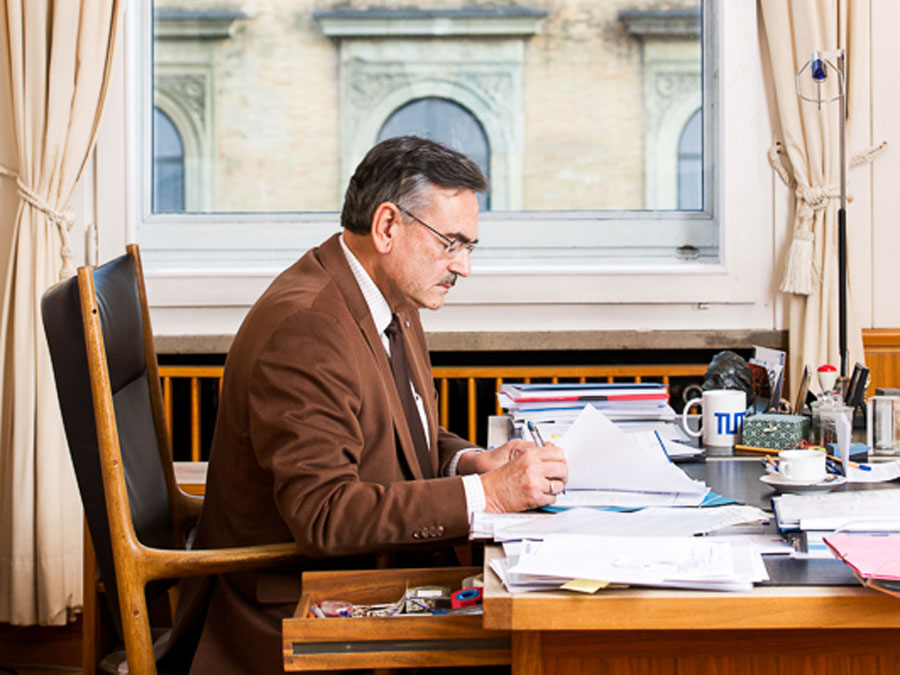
{"x": 465, "y": 597}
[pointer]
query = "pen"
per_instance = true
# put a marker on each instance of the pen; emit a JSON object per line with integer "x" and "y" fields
{"x": 662, "y": 445}
{"x": 771, "y": 461}
{"x": 753, "y": 448}
{"x": 855, "y": 465}
{"x": 537, "y": 434}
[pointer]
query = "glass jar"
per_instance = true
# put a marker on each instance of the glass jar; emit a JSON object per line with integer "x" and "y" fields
{"x": 823, "y": 429}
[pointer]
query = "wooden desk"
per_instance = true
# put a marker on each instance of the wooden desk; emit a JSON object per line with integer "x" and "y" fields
{"x": 770, "y": 630}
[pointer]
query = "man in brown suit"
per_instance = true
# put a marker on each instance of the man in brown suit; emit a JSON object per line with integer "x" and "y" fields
{"x": 316, "y": 442}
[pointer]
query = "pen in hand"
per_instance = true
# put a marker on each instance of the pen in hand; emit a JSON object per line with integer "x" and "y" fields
{"x": 536, "y": 434}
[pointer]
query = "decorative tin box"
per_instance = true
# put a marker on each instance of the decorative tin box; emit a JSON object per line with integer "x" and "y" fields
{"x": 769, "y": 430}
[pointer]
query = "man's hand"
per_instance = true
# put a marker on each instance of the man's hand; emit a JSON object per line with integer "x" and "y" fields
{"x": 488, "y": 460}
{"x": 532, "y": 477}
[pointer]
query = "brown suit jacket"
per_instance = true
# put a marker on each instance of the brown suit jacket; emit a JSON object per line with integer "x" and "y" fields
{"x": 311, "y": 445}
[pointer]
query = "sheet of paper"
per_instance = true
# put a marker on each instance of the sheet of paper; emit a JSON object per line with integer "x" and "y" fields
{"x": 688, "y": 561}
{"x": 842, "y": 431}
{"x": 878, "y": 472}
{"x": 603, "y": 457}
{"x": 837, "y": 509}
{"x": 652, "y": 522}
{"x": 765, "y": 544}
{"x": 627, "y": 499}
{"x": 671, "y": 439}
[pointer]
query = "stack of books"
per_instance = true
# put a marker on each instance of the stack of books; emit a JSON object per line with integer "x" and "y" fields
{"x": 562, "y": 403}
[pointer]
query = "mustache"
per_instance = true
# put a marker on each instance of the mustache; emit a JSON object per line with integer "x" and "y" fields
{"x": 450, "y": 279}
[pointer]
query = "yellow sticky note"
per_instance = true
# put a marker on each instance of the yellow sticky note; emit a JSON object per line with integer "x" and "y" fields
{"x": 584, "y": 585}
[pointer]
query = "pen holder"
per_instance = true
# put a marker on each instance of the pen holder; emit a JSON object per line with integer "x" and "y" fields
{"x": 778, "y": 432}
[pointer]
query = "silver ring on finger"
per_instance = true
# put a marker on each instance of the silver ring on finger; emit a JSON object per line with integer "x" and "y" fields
{"x": 552, "y": 490}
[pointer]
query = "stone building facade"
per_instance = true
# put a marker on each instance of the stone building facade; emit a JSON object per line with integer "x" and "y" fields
{"x": 582, "y": 105}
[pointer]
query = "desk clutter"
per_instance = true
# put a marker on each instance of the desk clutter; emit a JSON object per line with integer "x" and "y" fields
{"x": 630, "y": 516}
{"x": 640, "y": 410}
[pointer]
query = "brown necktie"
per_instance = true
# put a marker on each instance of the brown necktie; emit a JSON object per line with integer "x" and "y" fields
{"x": 400, "y": 369}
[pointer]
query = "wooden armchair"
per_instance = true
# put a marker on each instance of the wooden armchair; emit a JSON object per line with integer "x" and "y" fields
{"x": 101, "y": 345}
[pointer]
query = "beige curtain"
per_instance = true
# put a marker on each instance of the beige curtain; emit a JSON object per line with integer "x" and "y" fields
{"x": 59, "y": 54}
{"x": 806, "y": 156}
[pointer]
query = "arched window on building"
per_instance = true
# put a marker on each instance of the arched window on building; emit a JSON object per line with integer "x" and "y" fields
{"x": 690, "y": 164}
{"x": 168, "y": 165}
{"x": 446, "y": 122}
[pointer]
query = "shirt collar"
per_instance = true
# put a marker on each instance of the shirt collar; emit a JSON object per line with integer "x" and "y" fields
{"x": 378, "y": 306}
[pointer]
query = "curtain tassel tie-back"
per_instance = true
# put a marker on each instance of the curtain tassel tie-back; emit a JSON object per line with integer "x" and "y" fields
{"x": 64, "y": 220}
{"x": 802, "y": 274}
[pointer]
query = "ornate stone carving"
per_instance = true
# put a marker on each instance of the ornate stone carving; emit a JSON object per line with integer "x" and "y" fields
{"x": 365, "y": 86}
{"x": 189, "y": 90}
{"x": 666, "y": 87}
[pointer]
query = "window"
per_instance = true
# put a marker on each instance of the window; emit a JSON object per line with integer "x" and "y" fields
{"x": 168, "y": 165}
{"x": 690, "y": 164}
{"x": 446, "y": 122}
{"x": 582, "y": 108}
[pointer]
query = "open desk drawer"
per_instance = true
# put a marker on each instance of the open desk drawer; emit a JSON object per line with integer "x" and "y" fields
{"x": 386, "y": 641}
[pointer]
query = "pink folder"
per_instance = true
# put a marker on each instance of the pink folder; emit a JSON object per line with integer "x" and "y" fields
{"x": 872, "y": 556}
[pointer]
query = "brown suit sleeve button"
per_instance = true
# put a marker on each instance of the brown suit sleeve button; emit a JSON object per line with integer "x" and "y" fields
{"x": 440, "y": 530}
{"x": 417, "y": 534}
{"x": 432, "y": 531}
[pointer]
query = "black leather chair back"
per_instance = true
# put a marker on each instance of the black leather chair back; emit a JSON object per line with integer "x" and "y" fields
{"x": 122, "y": 326}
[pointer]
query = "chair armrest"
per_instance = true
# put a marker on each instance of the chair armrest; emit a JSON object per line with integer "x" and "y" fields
{"x": 169, "y": 564}
{"x": 187, "y": 506}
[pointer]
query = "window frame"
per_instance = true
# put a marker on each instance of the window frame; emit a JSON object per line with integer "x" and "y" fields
{"x": 206, "y": 259}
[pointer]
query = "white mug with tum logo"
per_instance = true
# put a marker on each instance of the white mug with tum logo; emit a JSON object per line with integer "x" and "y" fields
{"x": 723, "y": 416}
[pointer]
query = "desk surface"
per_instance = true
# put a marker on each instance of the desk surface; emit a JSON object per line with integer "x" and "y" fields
{"x": 738, "y": 477}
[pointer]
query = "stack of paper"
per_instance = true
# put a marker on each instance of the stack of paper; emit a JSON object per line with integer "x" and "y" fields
{"x": 561, "y": 403}
{"x": 607, "y": 467}
{"x": 651, "y": 522}
{"x": 677, "y": 562}
{"x": 815, "y": 516}
{"x": 837, "y": 510}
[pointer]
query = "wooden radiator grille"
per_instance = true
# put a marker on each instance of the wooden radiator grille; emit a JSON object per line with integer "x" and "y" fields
{"x": 193, "y": 375}
{"x": 468, "y": 378}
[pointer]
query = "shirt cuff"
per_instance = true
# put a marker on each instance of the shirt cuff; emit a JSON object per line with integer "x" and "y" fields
{"x": 476, "y": 502}
{"x": 454, "y": 463}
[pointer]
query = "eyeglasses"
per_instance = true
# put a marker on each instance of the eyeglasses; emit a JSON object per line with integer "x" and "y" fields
{"x": 452, "y": 247}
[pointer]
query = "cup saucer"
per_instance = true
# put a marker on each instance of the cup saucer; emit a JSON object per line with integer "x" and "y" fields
{"x": 781, "y": 485}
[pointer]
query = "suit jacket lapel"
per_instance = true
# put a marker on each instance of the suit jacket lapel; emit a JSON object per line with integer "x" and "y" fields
{"x": 332, "y": 258}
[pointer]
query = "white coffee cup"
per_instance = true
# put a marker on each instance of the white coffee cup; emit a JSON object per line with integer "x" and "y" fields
{"x": 802, "y": 466}
{"x": 723, "y": 416}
